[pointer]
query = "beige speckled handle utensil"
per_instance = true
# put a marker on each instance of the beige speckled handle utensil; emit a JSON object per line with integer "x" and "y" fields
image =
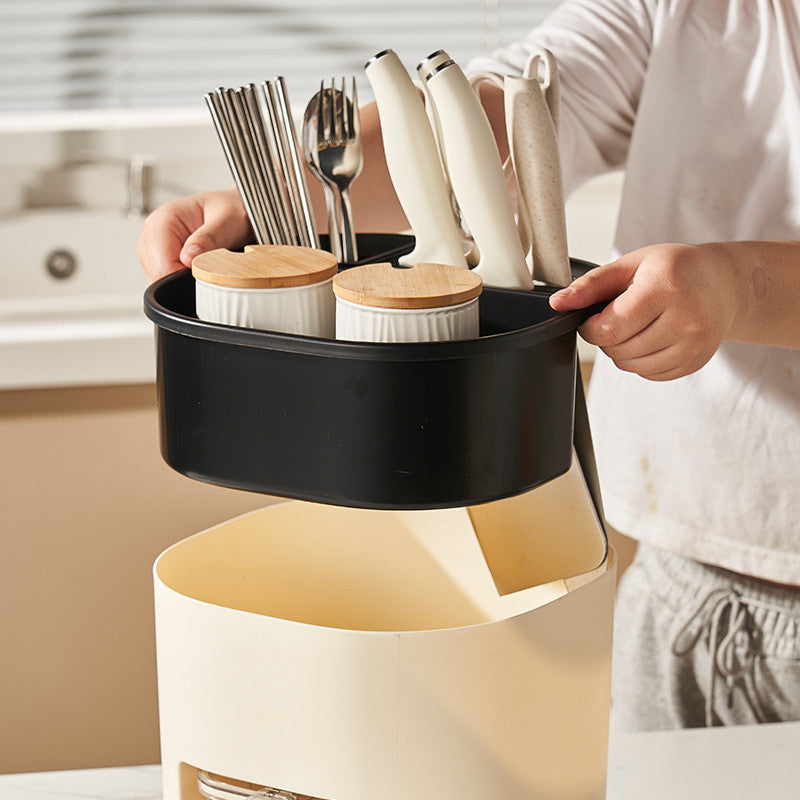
{"x": 532, "y": 104}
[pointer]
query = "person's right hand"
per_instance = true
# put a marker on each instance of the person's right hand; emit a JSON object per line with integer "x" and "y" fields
{"x": 180, "y": 230}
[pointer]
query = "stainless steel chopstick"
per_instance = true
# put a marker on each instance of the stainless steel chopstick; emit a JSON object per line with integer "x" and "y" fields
{"x": 308, "y": 230}
{"x": 242, "y": 138}
{"x": 281, "y": 136}
{"x": 278, "y": 156}
{"x": 225, "y": 136}
{"x": 273, "y": 180}
{"x": 237, "y": 148}
{"x": 255, "y": 162}
{"x": 255, "y": 127}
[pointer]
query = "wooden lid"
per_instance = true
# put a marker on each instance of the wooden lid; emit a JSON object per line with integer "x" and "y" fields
{"x": 264, "y": 266}
{"x": 421, "y": 286}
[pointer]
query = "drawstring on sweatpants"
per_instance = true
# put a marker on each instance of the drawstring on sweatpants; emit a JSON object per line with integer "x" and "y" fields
{"x": 724, "y": 613}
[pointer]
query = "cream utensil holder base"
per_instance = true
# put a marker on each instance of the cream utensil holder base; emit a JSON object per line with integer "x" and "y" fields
{"x": 368, "y": 655}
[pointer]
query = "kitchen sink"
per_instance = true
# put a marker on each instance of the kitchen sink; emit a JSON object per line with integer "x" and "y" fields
{"x": 71, "y": 305}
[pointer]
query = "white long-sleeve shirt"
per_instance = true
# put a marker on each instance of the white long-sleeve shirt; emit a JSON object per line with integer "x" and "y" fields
{"x": 699, "y": 101}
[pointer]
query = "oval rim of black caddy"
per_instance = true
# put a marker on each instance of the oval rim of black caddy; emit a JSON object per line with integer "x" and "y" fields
{"x": 193, "y": 327}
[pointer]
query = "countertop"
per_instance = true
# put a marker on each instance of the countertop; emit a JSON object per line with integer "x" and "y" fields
{"x": 756, "y": 762}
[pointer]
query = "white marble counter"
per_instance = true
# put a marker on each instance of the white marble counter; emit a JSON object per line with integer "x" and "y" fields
{"x": 744, "y": 763}
{"x": 748, "y": 762}
{"x": 115, "y": 783}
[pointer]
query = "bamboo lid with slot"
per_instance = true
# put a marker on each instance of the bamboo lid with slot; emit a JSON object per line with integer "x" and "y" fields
{"x": 271, "y": 266}
{"x": 426, "y": 303}
{"x": 421, "y": 286}
{"x": 281, "y": 288}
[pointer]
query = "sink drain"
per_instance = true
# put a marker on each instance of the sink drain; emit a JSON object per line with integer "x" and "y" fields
{"x": 61, "y": 263}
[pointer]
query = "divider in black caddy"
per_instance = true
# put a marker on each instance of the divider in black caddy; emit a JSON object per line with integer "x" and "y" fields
{"x": 404, "y": 426}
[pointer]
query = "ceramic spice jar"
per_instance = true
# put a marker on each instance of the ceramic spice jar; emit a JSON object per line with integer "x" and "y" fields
{"x": 424, "y": 303}
{"x": 282, "y": 288}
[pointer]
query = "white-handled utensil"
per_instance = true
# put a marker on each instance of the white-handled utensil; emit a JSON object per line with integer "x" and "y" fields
{"x": 533, "y": 142}
{"x": 531, "y": 114}
{"x": 476, "y": 173}
{"x": 549, "y": 80}
{"x": 413, "y": 162}
{"x": 424, "y": 68}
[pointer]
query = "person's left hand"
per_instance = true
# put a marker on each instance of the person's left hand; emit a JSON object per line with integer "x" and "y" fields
{"x": 672, "y": 305}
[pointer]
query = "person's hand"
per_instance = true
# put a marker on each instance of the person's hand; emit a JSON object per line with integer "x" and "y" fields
{"x": 672, "y": 305}
{"x": 180, "y": 230}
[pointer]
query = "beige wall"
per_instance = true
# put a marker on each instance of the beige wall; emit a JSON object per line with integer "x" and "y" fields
{"x": 87, "y": 504}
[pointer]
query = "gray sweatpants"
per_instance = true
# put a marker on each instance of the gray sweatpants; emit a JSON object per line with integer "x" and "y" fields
{"x": 697, "y": 645}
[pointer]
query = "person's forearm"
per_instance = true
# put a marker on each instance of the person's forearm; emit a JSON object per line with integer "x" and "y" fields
{"x": 670, "y": 306}
{"x": 375, "y": 204}
{"x": 493, "y": 102}
{"x": 770, "y": 292}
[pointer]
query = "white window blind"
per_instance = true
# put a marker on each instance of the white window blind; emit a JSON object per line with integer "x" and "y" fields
{"x": 117, "y": 54}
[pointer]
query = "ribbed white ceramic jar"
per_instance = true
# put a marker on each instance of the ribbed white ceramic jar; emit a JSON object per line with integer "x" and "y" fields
{"x": 279, "y": 288}
{"x": 359, "y": 323}
{"x": 306, "y": 310}
{"x": 426, "y": 303}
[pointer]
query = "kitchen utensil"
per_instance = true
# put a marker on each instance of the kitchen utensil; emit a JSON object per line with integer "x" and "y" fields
{"x": 234, "y": 158}
{"x": 476, "y": 173}
{"x": 435, "y": 59}
{"x": 309, "y": 142}
{"x": 534, "y": 150}
{"x": 277, "y": 206}
{"x": 414, "y": 163}
{"x": 239, "y": 133}
{"x": 523, "y": 226}
{"x": 234, "y": 104}
{"x": 283, "y": 137}
{"x": 282, "y": 288}
{"x": 339, "y": 155}
{"x": 308, "y": 231}
{"x": 283, "y": 208}
{"x": 260, "y": 145}
{"x": 549, "y": 81}
{"x": 531, "y": 111}
{"x": 424, "y": 303}
{"x": 279, "y": 143}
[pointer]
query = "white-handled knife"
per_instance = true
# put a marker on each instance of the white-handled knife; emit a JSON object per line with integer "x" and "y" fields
{"x": 413, "y": 161}
{"x": 476, "y": 174}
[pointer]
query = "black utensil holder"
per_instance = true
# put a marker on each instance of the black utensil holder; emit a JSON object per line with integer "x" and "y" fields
{"x": 403, "y": 426}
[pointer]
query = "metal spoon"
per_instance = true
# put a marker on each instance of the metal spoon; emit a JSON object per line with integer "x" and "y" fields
{"x": 309, "y": 136}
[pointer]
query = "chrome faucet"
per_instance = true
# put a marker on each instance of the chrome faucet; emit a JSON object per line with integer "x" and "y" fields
{"x": 139, "y": 170}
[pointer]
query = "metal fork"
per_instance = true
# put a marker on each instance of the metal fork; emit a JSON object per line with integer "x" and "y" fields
{"x": 338, "y": 155}
{"x": 309, "y": 139}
